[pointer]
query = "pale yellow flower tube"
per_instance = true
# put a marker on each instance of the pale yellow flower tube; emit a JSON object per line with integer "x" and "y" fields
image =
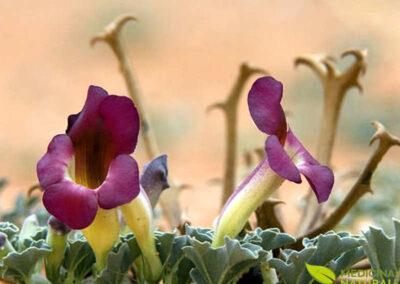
{"x": 138, "y": 215}
{"x": 260, "y": 184}
{"x": 102, "y": 234}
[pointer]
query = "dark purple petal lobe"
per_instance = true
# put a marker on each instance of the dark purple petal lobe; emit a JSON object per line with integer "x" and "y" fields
{"x": 121, "y": 120}
{"x": 52, "y": 166}
{"x": 319, "y": 177}
{"x": 93, "y": 153}
{"x": 264, "y": 102}
{"x": 88, "y": 119}
{"x": 279, "y": 161}
{"x": 3, "y": 239}
{"x": 71, "y": 121}
{"x": 58, "y": 226}
{"x": 106, "y": 127}
{"x": 72, "y": 204}
{"x": 121, "y": 184}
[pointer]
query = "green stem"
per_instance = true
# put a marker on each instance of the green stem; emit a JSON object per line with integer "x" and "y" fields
{"x": 70, "y": 279}
{"x": 268, "y": 274}
{"x": 168, "y": 278}
{"x": 397, "y": 278}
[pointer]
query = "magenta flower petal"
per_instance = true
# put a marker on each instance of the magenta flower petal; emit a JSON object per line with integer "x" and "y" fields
{"x": 121, "y": 184}
{"x": 264, "y": 102}
{"x": 72, "y": 204}
{"x": 71, "y": 121}
{"x": 106, "y": 127}
{"x": 90, "y": 166}
{"x": 121, "y": 120}
{"x": 52, "y": 166}
{"x": 279, "y": 160}
{"x": 69, "y": 202}
{"x": 112, "y": 117}
{"x": 297, "y": 149}
{"x": 89, "y": 117}
{"x": 319, "y": 177}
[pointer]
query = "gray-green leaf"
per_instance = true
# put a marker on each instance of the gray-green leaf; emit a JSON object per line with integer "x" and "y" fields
{"x": 224, "y": 264}
{"x": 19, "y": 266}
{"x": 118, "y": 264}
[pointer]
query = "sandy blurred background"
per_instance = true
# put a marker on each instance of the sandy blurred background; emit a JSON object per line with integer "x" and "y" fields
{"x": 186, "y": 55}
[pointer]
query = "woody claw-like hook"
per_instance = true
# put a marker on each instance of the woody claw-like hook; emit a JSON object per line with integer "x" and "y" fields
{"x": 113, "y": 29}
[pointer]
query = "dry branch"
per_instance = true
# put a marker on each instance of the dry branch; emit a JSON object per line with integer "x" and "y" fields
{"x": 362, "y": 185}
{"x": 268, "y": 217}
{"x": 335, "y": 84}
{"x": 112, "y": 36}
{"x": 229, "y": 108}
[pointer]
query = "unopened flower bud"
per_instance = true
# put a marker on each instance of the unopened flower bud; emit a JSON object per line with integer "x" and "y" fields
{"x": 57, "y": 240}
{"x": 5, "y": 245}
{"x": 154, "y": 178}
{"x": 58, "y": 226}
{"x": 3, "y": 239}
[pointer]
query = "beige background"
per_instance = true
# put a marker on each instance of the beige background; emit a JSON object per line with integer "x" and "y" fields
{"x": 186, "y": 55}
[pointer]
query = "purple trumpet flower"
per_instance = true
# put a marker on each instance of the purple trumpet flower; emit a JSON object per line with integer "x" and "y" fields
{"x": 286, "y": 158}
{"x": 90, "y": 166}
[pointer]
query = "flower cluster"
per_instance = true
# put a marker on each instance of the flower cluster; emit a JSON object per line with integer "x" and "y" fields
{"x": 90, "y": 166}
{"x": 88, "y": 174}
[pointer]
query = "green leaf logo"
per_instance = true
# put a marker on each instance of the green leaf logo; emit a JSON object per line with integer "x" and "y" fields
{"x": 321, "y": 274}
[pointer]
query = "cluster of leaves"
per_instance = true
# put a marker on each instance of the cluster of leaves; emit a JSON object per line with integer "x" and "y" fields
{"x": 384, "y": 253}
{"x": 22, "y": 252}
{"x": 24, "y": 206}
{"x": 337, "y": 251}
{"x": 253, "y": 258}
{"x": 185, "y": 258}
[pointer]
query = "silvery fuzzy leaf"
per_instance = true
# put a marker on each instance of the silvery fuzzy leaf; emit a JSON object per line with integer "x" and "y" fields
{"x": 224, "y": 264}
